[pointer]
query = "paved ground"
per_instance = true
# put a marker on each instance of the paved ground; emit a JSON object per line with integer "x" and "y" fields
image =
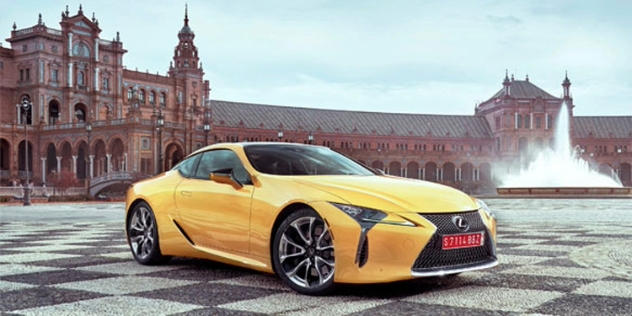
{"x": 554, "y": 261}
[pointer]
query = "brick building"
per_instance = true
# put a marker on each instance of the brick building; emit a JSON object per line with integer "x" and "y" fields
{"x": 89, "y": 114}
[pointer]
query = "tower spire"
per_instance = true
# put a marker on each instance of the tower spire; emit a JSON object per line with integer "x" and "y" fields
{"x": 566, "y": 85}
{"x": 186, "y": 14}
{"x": 507, "y": 84}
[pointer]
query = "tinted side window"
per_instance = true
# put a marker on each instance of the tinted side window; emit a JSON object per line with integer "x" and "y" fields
{"x": 217, "y": 161}
{"x": 187, "y": 167}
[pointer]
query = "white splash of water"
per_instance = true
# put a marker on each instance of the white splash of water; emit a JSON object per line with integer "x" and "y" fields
{"x": 561, "y": 166}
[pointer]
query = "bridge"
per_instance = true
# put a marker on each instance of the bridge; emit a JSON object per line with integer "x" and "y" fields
{"x": 119, "y": 178}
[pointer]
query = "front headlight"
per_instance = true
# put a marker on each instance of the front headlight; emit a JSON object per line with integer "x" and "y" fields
{"x": 482, "y": 205}
{"x": 369, "y": 217}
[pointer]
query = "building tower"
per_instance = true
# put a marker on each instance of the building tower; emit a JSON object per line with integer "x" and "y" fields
{"x": 192, "y": 90}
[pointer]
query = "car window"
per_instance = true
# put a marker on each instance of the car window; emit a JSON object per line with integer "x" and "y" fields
{"x": 187, "y": 167}
{"x": 221, "y": 161}
{"x": 302, "y": 160}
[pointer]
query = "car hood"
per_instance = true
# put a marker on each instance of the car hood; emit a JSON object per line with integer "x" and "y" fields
{"x": 392, "y": 194}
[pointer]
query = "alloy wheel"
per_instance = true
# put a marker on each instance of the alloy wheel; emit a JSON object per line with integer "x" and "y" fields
{"x": 306, "y": 253}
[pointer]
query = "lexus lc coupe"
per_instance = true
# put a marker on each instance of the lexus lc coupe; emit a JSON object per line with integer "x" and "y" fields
{"x": 312, "y": 216}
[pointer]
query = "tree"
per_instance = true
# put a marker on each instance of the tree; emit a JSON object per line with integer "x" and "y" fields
{"x": 63, "y": 180}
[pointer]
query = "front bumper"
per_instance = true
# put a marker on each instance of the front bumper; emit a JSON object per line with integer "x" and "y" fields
{"x": 388, "y": 253}
{"x": 433, "y": 261}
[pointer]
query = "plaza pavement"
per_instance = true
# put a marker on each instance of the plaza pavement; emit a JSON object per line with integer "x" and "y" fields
{"x": 557, "y": 257}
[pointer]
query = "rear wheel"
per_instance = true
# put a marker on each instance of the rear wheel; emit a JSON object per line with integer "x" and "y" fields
{"x": 303, "y": 253}
{"x": 142, "y": 234}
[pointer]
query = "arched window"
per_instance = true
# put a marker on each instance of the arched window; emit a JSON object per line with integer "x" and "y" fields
{"x": 152, "y": 97}
{"x": 141, "y": 96}
{"x": 80, "y": 114}
{"x": 527, "y": 121}
{"x": 53, "y": 113}
{"x": 81, "y": 50}
{"x": 130, "y": 93}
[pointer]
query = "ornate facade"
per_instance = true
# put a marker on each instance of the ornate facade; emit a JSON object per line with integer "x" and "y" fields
{"x": 89, "y": 114}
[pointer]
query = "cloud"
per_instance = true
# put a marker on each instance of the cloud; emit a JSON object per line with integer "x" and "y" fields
{"x": 504, "y": 21}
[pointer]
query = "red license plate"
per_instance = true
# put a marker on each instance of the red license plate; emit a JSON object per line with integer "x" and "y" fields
{"x": 460, "y": 241}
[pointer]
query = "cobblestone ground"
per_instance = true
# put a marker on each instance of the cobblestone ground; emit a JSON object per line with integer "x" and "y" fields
{"x": 547, "y": 267}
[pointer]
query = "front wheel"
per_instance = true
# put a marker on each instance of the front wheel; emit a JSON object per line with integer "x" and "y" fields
{"x": 142, "y": 235}
{"x": 303, "y": 253}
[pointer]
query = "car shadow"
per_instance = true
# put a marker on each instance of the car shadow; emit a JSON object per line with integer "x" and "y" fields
{"x": 216, "y": 270}
{"x": 400, "y": 289}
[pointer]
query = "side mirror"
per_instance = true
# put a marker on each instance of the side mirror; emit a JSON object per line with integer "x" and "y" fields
{"x": 225, "y": 178}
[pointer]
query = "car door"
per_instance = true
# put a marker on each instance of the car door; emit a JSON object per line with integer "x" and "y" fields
{"x": 213, "y": 214}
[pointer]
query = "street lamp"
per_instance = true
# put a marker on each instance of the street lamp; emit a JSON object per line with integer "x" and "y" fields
{"x": 160, "y": 122}
{"x": 620, "y": 171}
{"x": 207, "y": 128}
{"x": 88, "y": 175}
{"x": 280, "y": 135}
{"x": 26, "y": 105}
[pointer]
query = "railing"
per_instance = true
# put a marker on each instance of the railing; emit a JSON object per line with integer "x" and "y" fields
{"x": 110, "y": 176}
{"x": 53, "y": 31}
{"x": 18, "y": 191}
{"x": 24, "y": 31}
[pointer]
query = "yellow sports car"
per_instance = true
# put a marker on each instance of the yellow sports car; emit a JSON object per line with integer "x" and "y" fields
{"x": 313, "y": 216}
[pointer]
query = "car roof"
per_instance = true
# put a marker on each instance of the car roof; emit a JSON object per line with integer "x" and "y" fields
{"x": 247, "y": 144}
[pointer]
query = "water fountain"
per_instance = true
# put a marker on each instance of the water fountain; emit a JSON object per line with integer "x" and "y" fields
{"x": 561, "y": 171}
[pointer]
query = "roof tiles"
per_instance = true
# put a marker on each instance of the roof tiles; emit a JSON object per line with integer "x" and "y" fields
{"x": 256, "y": 116}
{"x": 602, "y": 126}
{"x": 522, "y": 89}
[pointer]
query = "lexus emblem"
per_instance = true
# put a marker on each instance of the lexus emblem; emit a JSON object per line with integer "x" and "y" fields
{"x": 460, "y": 223}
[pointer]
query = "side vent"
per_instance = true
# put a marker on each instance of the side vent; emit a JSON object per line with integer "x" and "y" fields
{"x": 363, "y": 254}
{"x": 183, "y": 233}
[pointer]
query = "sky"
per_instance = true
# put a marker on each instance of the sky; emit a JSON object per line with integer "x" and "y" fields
{"x": 406, "y": 56}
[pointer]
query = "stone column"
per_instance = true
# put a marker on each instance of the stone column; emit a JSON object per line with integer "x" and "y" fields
{"x": 108, "y": 167}
{"x": 17, "y": 113}
{"x": 74, "y": 164}
{"x": 91, "y": 168}
{"x": 96, "y": 79}
{"x": 43, "y": 159}
{"x": 96, "y": 49}
{"x": 516, "y": 120}
{"x": 58, "y": 164}
{"x": 125, "y": 165}
{"x": 69, "y": 74}
{"x": 70, "y": 44}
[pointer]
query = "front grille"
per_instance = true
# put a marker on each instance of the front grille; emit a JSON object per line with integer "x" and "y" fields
{"x": 432, "y": 257}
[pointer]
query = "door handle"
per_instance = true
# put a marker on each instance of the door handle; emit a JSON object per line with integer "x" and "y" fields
{"x": 185, "y": 193}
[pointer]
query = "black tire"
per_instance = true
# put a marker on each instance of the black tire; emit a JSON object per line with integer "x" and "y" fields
{"x": 303, "y": 253}
{"x": 142, "y": 235}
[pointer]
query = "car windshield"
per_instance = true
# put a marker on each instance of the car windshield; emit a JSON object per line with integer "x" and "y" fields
{"x": 302, "y": 160}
